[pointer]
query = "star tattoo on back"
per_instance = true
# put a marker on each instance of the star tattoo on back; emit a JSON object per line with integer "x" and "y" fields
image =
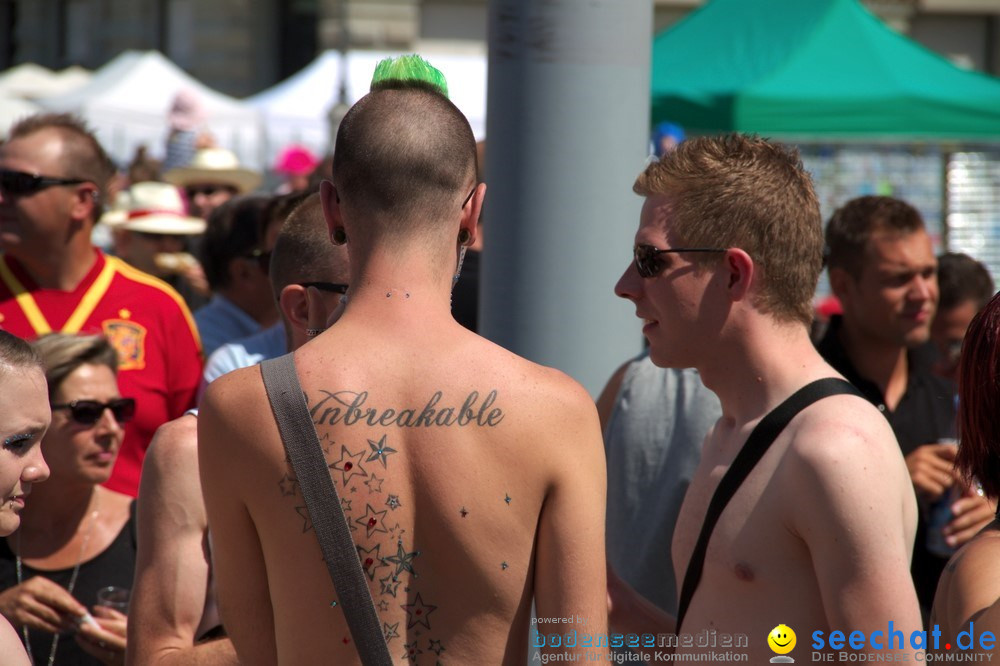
{"x": 418, "y": 613}
{"x": 380, "y": 451}
{"x": 349, "y": 464}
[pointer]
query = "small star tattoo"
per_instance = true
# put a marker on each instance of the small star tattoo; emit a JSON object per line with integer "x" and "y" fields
{"x": 379, "y": 451}
{"x": 307, "y": 523}
{"x": 371, "y": 560}
{"x": 402, "y": 559}
{"x": 463, "y": 512}
{"x": 411, "y": 651}
{"x": 503, "y": 565}
{"x": 389, "y": 585}
{"x": 345, "y": 504}
{"x": 436, "y": 647}
{"x": 349, "y": 464}
{"x": 288, "y": 485}
{"x": 418, "y": 612}
{"x": 393, "y": 502}
{"x": 374, "y": 484}
{"x": 390, "y": 631}
{"x": 383, "y": 605}
{"x": 506, "y": 498}
{"x": 372, "y": 520}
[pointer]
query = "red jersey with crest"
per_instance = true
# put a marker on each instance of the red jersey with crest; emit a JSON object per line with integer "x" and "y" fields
{"x": 146, "y": 321}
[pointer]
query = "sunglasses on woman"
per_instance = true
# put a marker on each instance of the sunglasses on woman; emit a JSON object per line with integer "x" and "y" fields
{"x": 648, "y": 262}
{"x": 89, "y": 412}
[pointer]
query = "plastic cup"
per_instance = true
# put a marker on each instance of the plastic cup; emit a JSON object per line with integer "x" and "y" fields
{"x": 114, "y": 597}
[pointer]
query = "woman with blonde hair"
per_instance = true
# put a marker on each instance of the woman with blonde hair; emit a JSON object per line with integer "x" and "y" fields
{"x": 76, "y": 537}
{"x": 24, "y": 417}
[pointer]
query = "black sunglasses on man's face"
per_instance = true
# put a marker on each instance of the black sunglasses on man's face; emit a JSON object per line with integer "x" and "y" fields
{"x": 20, "y": 183}
{"x": 332, "y": 287}
{"x": 647, "y": 258}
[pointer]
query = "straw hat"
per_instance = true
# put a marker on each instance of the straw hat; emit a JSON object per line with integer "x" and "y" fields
{"x": 117, "y": 214}
{"x": 157, "y": 208}
{"x": 214, "y": 165}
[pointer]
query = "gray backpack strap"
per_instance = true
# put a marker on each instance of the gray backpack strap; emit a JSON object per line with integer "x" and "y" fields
{"x": 323, "y": 504}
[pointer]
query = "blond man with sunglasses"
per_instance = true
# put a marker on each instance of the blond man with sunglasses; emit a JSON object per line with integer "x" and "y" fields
{"x": 818, "y": 534}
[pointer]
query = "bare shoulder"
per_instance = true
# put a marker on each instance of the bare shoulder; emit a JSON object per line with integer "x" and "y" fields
{"x": 843, "y": 434}
{"x": 844, "y": 462}
{"x": 971, "y": 581}
{"x": 10, "y": 645}
{"x": 244, "y": 383}
{"x": 236, "y": 402}
{"x": 174, "y": 445}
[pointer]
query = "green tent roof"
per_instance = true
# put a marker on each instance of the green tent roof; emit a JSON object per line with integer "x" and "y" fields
{"x": 813, "y": 67}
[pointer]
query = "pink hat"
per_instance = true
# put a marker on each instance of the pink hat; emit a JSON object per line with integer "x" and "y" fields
{"x": 296, "y": 160}
{"x": 186, "y": 112}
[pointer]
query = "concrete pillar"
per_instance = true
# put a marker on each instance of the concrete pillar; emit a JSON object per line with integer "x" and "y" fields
{"x": 567, "y": 132}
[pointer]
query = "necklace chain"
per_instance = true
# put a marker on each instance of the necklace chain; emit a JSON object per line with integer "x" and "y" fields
{"x": 72, "y": 581}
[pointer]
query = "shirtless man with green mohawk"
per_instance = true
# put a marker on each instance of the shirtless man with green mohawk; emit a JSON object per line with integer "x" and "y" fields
{"x": 461, "y": 513}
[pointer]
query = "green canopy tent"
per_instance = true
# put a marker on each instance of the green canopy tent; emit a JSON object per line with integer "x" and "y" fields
{"x": 813, "y": 68}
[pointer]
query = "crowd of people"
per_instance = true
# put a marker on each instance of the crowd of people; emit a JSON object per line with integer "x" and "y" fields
{"x": 748, "y": 470}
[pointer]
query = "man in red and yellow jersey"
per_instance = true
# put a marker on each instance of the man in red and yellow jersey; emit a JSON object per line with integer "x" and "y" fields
{"x": 53, "y": 177}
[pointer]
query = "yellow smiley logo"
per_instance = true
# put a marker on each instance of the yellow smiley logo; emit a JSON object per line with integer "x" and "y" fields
{"x": 781, "y": 640}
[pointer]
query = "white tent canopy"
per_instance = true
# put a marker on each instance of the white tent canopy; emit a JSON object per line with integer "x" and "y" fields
{"x": 297, "y": 109}
{"x": 30, "y": 81}
{"x": 13, "y": 109}
{"x": 127, "y": 101}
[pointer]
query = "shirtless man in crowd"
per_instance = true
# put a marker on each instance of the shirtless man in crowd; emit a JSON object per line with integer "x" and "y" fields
{"x": 474, "y": 480}
{"x": 820, "y": 534}
{"x": 175, "y": 619}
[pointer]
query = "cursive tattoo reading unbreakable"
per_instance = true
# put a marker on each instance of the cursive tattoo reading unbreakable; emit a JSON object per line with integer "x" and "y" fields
{"x": 348, "y": 407}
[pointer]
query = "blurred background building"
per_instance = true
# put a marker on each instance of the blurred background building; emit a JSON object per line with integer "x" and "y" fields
{"x": 240, "y": 47}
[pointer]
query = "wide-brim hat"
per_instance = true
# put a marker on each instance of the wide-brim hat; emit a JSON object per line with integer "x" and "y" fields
{"x": 157, "y": 208}
{"x": 214, "y": 165}
{"x": 118, "y": 213}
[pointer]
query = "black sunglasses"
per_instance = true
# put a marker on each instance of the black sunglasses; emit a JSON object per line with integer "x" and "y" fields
{"x": 332, "y": 287}
{"x": 20, "y": 183}
{"x": 263, "y": 259}
{"x": 88, "y": 412}
{"x": 208, "y": 190}
{"x": 647, "y": 261}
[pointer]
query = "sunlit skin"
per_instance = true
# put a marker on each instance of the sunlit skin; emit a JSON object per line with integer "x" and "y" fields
{"x": 24, "y": 418}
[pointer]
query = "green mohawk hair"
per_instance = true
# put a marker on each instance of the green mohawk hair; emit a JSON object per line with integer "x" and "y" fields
{"x": 408, "y": 71}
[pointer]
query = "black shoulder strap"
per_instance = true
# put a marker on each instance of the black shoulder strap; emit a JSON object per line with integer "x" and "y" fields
{"x": 323, "y": 504}
{"x": 757, "y": 444}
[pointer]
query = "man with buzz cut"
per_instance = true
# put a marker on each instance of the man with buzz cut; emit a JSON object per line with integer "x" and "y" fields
{"x": 174, "y": 614}
{"x": 819, "y": 529}
{"x": 476, "y": 481}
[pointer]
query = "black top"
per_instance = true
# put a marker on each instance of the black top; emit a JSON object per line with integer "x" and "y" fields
{"x": 115, "y": 566}
{"x": 925, "y": 414}
{"x": 465, "y": 295}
